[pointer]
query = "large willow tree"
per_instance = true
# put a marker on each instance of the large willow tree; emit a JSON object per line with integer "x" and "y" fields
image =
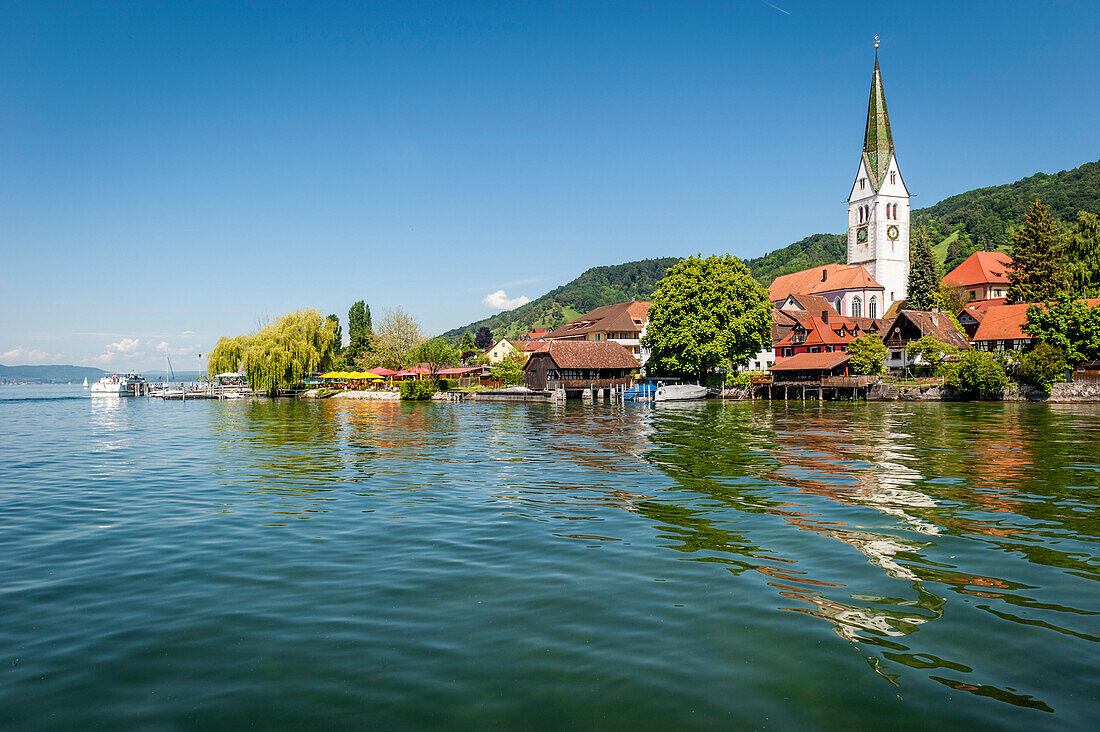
{"x": 281, "y": 354}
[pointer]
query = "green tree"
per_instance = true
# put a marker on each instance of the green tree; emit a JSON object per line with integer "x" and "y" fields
{"x": 1069, "y": 325}
{"x": 707, "y": 313}
{"x": 977, "y": 375}
{"x": 228, "y": 355}
{"x": 360, "y": 333}
{"x": 339, "y": 332}
{"x": 484, "y": 338}
{"x": 924, "y": 272}
{"x": 1042, "y": 366}
{"x": 397, "y": 335}
{"x": 955, "y": 255}
{"x": 1036, "y": 273}
{"x": 436, "y": 354}
{"x": 510, "y": 369}
{"x": 931, "y": 352}
{"x": 467, "y": 343}
{"x": 280, "y": 354}
{"x": 1082, "y": 248}
{"x": 867, "y": 355}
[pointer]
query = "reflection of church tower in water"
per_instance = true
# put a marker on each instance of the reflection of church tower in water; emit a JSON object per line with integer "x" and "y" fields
{"x": 878, "y": 207}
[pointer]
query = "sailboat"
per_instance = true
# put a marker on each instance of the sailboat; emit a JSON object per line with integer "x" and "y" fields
{"x": 85, "y": 382}
{"x": 170, "y": 390}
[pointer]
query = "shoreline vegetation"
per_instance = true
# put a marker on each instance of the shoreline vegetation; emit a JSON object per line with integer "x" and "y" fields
{"x": 708, "y": 318}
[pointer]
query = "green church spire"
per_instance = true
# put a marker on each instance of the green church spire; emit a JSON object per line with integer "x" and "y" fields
{"x": 878, "y": 142}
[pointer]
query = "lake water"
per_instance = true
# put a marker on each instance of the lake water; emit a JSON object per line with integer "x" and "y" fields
{"x": 285, "y": 563}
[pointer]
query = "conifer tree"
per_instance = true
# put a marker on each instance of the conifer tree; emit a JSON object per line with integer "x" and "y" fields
{"x": 1036, "y": 273}
{"x": 924, "y": 275}
{"x": 1082, "y": 247}
{"x": 360, "y": 333}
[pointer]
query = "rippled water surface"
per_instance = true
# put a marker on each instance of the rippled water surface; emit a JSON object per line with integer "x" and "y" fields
{"x": 282, "y": 563}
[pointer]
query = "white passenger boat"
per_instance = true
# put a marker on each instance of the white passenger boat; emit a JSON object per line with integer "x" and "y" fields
{"x": 118, "y": 385}
{"x": 679, "y": 392}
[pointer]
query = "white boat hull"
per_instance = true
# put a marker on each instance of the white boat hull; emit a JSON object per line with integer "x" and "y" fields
{"x": 679, "y": 393}
{"x": 117, "y": 385}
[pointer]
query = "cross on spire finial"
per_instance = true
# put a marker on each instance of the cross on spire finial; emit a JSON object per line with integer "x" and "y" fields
{"x": 876, "y": 41}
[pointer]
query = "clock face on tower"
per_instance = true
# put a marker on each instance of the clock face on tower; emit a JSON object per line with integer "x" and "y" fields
{"x": 861, "y": 235}
{"x": 892, "y": 232}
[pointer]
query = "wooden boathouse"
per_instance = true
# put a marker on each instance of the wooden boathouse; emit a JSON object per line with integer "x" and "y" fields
{"x": 820, "y": 375}
{"x": 580, "y": 368}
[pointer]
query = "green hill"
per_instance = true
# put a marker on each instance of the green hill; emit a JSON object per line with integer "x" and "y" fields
{"x": 48, "y": 374}
{"x": 960, "y": 225}
{"x": 597, "y": 286}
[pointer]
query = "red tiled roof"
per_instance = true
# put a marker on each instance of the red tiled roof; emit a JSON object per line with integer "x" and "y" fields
{"x": 623, "y": 316}
{"x": 811, "y": 303}
{"x": 811, "y": 362}
{"x": 938, "y": 325}
{"x": 1005, "y": 322}
{"x": 820, "y": 333}
{"x": 587, "y": 354}
{"x": 978, "y": 309}
{"x": 826, "y": 278}
{"x": 980, "y": 268}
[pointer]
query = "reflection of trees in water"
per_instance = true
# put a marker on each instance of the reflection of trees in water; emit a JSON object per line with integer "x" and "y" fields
{"x": 285, "y": 449}
{"x": 875, "y": 456}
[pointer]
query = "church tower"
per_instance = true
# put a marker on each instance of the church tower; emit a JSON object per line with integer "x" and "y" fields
{"x": 878, "y": 207}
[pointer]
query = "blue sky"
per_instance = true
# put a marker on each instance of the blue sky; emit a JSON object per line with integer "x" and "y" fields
{"x": 172, "y": 171}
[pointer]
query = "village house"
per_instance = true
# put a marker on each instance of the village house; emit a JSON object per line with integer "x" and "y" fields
{"x": 535, "y": 334}
{"x": 981, "y": 276}
{"x": 624, "y": 323}
{"x": 1002, "y": 329}
{"x": 499, "y": 351}
{"x": 826, "y": 332}
{"x": 912, "y": 325}
{"x": 970, "y": 317}
{"x": 810, "y": 368}
{"x": 578, "y": 364}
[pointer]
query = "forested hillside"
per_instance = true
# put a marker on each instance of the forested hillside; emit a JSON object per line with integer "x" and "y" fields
{"x": 959, "y": 226}
{"x": 986, "y": 218}
{"x": 598, "y": 286}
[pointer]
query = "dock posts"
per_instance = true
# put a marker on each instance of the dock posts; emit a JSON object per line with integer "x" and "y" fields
{"x": 559, "y": 394}
{"x": 599, "y": 394}
{"x": 586, "y": 395}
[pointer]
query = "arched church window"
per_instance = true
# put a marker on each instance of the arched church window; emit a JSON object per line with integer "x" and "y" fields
{"x": 895, "y": 212}
{"x": 857, "y": 307}
{"x": 872, "y": 308}
{"x": 836, "y": 304}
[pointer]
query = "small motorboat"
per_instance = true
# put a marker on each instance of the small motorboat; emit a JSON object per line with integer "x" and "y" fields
{"x": 679, "y": 392}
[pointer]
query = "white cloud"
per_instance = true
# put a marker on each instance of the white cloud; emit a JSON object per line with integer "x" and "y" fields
{"x": 499, "y": 301}
{"x": 25, "y": 356}
{"x": 127, "y": 348}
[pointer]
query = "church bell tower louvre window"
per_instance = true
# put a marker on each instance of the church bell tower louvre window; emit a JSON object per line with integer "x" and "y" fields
{"x": 893, "y": 177}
